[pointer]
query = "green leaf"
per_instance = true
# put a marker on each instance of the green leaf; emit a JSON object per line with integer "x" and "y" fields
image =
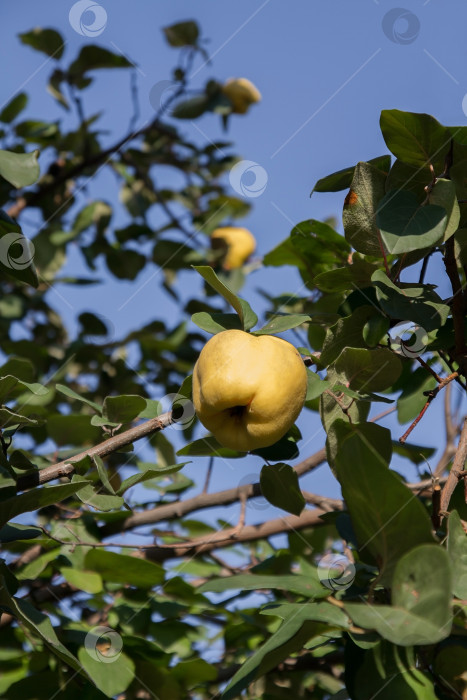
{"x": 417, "y": 139}
{"x": 279, "y": 485}
{"x": 91, "y": 495}
{"x": 207, "y": 447}
{"x": 280, "y": 324}
{"x": 72, "y": 430}
{"x": 48, "y": 41}
{"x": 13, "y": 108}
{"x": 385, "y": 671}
{"x": 358, "y": 274}
{"x": 121, "y": 568}
{"x": 372, "y": 433}
{"x": 342, "y": 179}
{"x": 406, "y": 226}
{"x": 380, "y": 505}
{"x": 309, "y": 586}
{"x": 93, "y": 57}
{"x": 347, "y": 332}
{"x": 16, "y": 531}
{"x": 360, "y": 208}
{"x": 457, "y": 550}
{"x": 77, "y": 397}
{"x": 150, "y": 473}
{"x": 125, "y": 264}
{"x": 192, "y": 108}
{"x": 88, "y": 581}
{"x": 296, "y": 631}
{"x": 111, "y": 678}
{"x": 444, "y": 195}
{"x": 39, "y": 624}
{"x": 312, "y": 247}
{"x": 410, "y": 302}
{"x": 8, "y": 383}
{"x": 421, "y": 600}
{"x": 372, "y": 370}
{"x": 123, "y": 409}
{"x": 182, "y": 33}
{"x": 216, "y": 323}
{"x": 285, "y": 448}
{"x": 37, "y": 498}
{"x": 19, "y": 169}
{"x": 243, "y": 309}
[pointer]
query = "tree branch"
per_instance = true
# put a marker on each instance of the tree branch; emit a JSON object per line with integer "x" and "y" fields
{"x": 457, "y": 306}
{"x": 66, "y": 468}
{"x": 31, "y": 199}
{"x": 230, "y": 537}
{"x": 456, "y": 470}
{"x": 170, "y": 511}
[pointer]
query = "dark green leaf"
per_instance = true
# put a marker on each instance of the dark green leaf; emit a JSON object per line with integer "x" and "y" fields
{"x": 380, "y": 505}
{"x": 457, "y": 550}
{"x": 342, "y": 179}
{"x": 48, "y": 41}
{"x": 182, "y": 33}
{"x": 308, "y": 586}
{"x": 13, "y": 108}
{"x": 72, "y": 430}
{"x": 92, "y": 57}
{"x": 410, "y": 302}
{"x": 208, "y": 447}
{"x": 279, "y": 485}
{"x": 122, "y": 568}
{"x": 37, "y": 498}
{"x": 416, "y": 139}
{"x": 123, "y": 409}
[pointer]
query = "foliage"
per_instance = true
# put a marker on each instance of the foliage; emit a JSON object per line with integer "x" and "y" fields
{"x": 368, "y": 596}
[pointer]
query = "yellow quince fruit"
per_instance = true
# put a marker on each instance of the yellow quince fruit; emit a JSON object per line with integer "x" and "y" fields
{"x": 242, "y": 93}
{"x": 248, "y": 390}
{"x": 238, "y": 243}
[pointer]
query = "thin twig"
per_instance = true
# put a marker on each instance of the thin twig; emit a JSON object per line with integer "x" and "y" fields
{"x": 457, "y": 470}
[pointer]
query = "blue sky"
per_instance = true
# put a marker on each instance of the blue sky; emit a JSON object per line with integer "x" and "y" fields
{"x": 325, "y": 69}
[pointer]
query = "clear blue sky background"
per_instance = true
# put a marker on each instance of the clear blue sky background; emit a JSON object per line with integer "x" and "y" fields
{"x": 325, "y": 70}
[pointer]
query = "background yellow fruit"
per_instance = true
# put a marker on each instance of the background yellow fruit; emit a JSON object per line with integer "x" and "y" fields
{"x": 239, "y": 244}
{"x": 248, "y": 390}
{"x": 242, "y": 93}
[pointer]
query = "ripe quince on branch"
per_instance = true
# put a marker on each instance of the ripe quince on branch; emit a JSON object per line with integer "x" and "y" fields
{"x": 237, "y": 242}
{"x": 242, "y": 93}
{"x": 248, "y": 390}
